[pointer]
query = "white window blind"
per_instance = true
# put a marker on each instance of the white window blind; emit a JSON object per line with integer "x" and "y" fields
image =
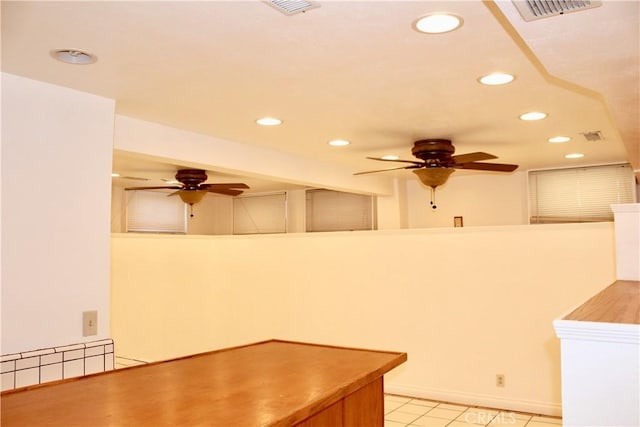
{"x": 260, "y": 214}
{"x": 579, "y": 194}
{"x": 328, "y": 210}
{"x": 154, "y": 211}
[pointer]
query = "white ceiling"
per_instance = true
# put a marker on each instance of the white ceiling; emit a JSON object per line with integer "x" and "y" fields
{"x": 351, "y": 69}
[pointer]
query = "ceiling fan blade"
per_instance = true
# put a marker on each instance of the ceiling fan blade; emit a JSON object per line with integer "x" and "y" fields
{"x": 133, "y": 178}
{"x": 225, "y": 191}
{"x": 223, "y": 185}
{"x": 173, "y": 187}
{"x": 472, "y": 157}
{"x": 398, "y": 160}
{"x": 496, "y": 167}
{"x": 392, "y": 169}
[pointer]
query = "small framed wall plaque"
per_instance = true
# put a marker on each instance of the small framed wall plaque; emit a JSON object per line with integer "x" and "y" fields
{"x": 457, "y": 221}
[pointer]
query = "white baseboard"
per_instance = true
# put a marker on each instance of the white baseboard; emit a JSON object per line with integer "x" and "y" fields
{"x": 471, "y": 399}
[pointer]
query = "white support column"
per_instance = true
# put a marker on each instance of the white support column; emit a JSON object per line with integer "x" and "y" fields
{"x": 600, "y": 373}
{"x": 627, "y": 217}
{"x": 600, "y": 355}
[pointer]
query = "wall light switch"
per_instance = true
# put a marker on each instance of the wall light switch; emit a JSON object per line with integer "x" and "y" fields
{"x": 89, "y": 323}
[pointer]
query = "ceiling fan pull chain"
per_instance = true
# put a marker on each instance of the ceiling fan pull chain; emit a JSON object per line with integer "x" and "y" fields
{"x": 433, "y": 198}
{"x": 191, "y": 210}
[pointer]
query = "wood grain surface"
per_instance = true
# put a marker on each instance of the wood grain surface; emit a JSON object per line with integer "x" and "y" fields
{"x": 618, "y": 303}
{"x": 272, "y": 383}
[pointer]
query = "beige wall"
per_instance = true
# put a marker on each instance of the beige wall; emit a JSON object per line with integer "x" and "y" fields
{"x": 213, "y": 215}
{"x": 56, "y": 177}
{"x": 480, "y": 198}
{"x": 466, "y": 304}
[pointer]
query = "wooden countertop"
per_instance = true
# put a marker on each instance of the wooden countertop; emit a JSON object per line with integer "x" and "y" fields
{"x": 618, "y": 303}
{"x": 272, "y": 383}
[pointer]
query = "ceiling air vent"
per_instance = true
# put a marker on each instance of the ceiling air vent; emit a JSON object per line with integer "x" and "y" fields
{"x": 538, "y": 9}
{"x": 595, "y": 135}
{"x": 292, "y": 7}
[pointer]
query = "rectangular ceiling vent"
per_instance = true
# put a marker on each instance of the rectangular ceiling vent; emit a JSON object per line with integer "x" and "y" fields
{"x": 292, "y": 7}
{"x": 538, "y": 9}
{"x": 595, "y": 135}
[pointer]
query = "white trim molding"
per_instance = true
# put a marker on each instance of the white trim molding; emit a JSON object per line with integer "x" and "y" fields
{"x": 600, "y": 373}
{"x": 597, "y": 331}
{"x": 475, "y": 399}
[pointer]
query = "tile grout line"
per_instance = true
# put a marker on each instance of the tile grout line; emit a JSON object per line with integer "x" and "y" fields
{"x": 430, "y": 409}
{"x": 404, "y": 404}
{"x": 416, "y": 401}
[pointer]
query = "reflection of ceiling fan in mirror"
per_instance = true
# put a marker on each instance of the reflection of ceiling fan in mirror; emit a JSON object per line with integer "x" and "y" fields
{"x": 193, "y": 190}
{"x": 438, "y": 162}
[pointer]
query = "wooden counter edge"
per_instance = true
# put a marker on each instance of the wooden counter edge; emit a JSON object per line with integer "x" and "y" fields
{"x": 617, "y": 303}
{"x": 316, "y": 407}
{"x": 190, "y": 356}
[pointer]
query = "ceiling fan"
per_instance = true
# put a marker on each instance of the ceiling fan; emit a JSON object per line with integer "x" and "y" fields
{"x": 438, "y": 163}
{"x": 192, "y": 189}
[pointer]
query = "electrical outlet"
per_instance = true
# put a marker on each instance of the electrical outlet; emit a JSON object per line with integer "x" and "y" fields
{"x": 89, "y": 323}
{"x": 499, "y": 380}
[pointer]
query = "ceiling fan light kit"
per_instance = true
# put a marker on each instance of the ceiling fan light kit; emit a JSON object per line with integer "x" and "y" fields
{"x": 191, "y": 197}
{"x": 193, "y": 189}
{"x": 438, "y": 163}
{"x": 433, "y": 177}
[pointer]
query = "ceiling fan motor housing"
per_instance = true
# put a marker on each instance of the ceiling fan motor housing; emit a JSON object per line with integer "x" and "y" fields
{"x": 191, "y": 178}
{"x": 436, "y": 152}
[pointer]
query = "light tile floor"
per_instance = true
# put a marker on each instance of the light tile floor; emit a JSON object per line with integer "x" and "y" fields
{"x": 400, "y": 411}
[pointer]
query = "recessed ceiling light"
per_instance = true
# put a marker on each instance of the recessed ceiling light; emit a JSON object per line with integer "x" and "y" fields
{"x": 533, "y": 115}
{"x": 74, "y": 56}
{"x": 574, "y": 156}
{"x": 269, "y": 121}
{"x": 115, "y": 175}
{"x": 390, "y": 157}
{"x": 339, "y": 142}
{"x": 558, "y": 139}
{"x": 437, "y": 23}
{"x": 495, "y": 79}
